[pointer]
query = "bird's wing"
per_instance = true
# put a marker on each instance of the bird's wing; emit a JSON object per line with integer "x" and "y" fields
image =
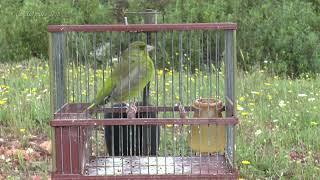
{"x": 105, "y": 91}
{"x": 123, "y": 67}
{"x": 132, "y": 79}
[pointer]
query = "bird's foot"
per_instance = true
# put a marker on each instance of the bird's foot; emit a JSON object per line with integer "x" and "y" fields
{"x": 132, "y": 110}
{"x": 182, "y": 111}
{"x": 183, "y": 115}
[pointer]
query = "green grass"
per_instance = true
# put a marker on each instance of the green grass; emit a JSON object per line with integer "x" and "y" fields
{"x": 277, "y": 134}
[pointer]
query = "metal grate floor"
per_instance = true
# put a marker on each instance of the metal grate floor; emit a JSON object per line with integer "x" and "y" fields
{"x": 135, "y": 165}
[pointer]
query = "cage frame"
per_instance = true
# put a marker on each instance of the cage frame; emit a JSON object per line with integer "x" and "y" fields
{"x": 74, "y": 126}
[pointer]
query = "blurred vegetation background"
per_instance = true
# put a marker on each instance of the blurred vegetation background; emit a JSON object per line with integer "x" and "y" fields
{"x": 283, "y": 34}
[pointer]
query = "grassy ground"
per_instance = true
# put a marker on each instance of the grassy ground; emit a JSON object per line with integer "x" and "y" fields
{"x": 279, "y": 127}
{"x": 276, "y": 138}
{"x": 24, "y": 117}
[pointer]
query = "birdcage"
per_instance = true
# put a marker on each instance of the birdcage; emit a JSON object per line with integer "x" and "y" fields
{"x": 179, "y": 124}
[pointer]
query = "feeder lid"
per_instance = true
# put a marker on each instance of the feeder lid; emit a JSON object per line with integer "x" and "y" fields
{"x": 205, "y": 103}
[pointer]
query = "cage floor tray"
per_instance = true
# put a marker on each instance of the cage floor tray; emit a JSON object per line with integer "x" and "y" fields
{"x": 211, "y": 165}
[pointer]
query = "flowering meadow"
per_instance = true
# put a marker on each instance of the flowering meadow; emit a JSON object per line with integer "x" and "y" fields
{"x": 277, "y": 136}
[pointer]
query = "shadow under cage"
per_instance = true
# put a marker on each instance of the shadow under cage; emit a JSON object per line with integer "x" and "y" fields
{"x": 142, "y": 101}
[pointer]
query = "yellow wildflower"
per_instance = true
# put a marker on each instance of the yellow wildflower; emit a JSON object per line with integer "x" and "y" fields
{"x": 244, "y": 113}
{"x": 33, "y": 90}
{"x": 2, "y": 102}
{"x": 241, "y": 98}
{"x": 245, "y": 162}
{"x": 22, "y": 130}
{"x": 24, "y": 76}
{"x": 4, "y": 87}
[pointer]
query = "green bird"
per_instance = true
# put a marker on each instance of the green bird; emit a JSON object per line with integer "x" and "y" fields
{"x": 129, "y": 77}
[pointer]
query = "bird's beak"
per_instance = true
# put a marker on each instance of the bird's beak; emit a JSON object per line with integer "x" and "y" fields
{"x": 149, "y": 48}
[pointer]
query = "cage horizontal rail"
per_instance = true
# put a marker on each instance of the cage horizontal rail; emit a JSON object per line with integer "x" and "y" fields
{"x": 74, "y": 108}
{"x": 144, "y": 121}
{"x": 142, "y": 27}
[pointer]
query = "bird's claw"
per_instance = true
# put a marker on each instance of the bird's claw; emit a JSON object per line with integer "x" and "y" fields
{"x": 131, "y": 110}
{"x": 182, "y": 111}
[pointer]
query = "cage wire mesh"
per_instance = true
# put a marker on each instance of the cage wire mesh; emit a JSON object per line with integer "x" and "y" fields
{"x": 180, "y": 124}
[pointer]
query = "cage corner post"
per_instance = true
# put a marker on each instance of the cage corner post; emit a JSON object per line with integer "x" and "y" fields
{"x": 66, "y": 139}
{"x": 230, "y": 93}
